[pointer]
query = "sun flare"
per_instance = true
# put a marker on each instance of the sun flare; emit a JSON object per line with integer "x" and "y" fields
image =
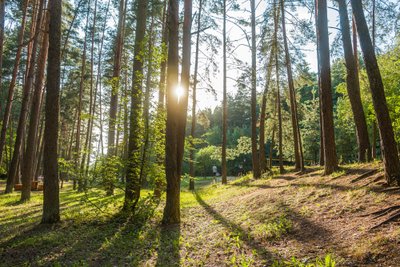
{"x": 179, "y": 92}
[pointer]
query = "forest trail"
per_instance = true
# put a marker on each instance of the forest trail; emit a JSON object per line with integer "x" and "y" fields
{"x": 246, "y": 223}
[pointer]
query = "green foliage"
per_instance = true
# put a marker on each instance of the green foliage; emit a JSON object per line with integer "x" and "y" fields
{"x": 327, "y": 261}
{"x": 107, "y": 171}
{"x": 274, "y": 229}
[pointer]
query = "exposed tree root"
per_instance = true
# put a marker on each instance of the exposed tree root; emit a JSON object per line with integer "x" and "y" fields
{"x": 382, "y": 211}
{"x": 364, "y": 175}
{"x": 391, "y": 218}
{"x": 390, "y": 189}
{"x": 379, "y": 177}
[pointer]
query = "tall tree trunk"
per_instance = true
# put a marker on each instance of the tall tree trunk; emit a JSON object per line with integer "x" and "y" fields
{"x": 388, "y": 143}
{"x": 20, "y": 136}
{"x": 254, "y": 150}
{"x": 2, "y": 19}
{"x": 28, "y": 165}
{"x": 193, "y": 130}
{"x": 278, "y": 93}
{"x": 133, "y": 183}
{"x": 353, "y": 86}
{"x": 146, "y": 102}
{"x": 51, "y": 202}
{"x": 263, "y": 161}
{"x": 78, "y": 149}
{"x": 7, "y": 112}
{"x": 172, "y": 207}
{"x": 185, "y": 81}
{"x": 326, "y": 89}
{"x": 98, "y": 83}
{"x": 224, "y": 101}
{"x": 160, "y": 181}
{"x": 299, "y": 161}
{"x": 88, "y": 139}
{"x": 115, "y": 80}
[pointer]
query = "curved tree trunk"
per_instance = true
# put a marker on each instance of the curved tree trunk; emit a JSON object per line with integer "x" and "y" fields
{"x": 388, "y": 143}
{"x": 353, "y": 87}
{"x": 299, "y": 161}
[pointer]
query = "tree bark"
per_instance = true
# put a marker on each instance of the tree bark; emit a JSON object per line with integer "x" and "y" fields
{"x": 160, "y": 182}
{"x": 224, "y": 101}
{"x": 20, "y": 135}
{"x": 326, "y": 89}
{"x": 116, "y": 80}
{"x": 7, "y": 112}
{"x": 299, "y": 161}
{"x": 254, "y": 150}
{"x": 51, "y": 202}
{"x": 353, "y": 87}
{"x": 133, "y": 183}
{"x": 172, "y": 207}
{"x": 193, "y": 130}
{"x": 78, "y": 149}
{"x": 263, "y": 161}
{"x": 2, "y": 19}
{"x": 28, "y": 165}
{"x": 388, "y": 143}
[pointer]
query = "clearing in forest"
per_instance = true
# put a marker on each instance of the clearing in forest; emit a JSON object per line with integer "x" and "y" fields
{"x": 284, "y": 220}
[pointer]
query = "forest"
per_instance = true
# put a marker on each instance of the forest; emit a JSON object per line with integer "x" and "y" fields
{"x": 200, "y": 133}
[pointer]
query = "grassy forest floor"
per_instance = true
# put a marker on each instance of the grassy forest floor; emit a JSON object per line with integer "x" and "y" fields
{"x": 284, "y": 220}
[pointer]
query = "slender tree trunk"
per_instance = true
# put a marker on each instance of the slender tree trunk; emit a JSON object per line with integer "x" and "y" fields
{"x": 146, "y": 103}
{"x": 278, "y": 93}
{"x": 88, "y": 139}
{"x": 224, "y": 101}
{"x": 2, "y": 19}
{"x": 374, "y": 127}
{"x": 326, "y": 89}
{"x": 271, "y": 148}
{"x": 32, "y": 140}
{"x": 299, "y": 161}
{"x": 160, "y": 182}
{"x": 254, "y": 150}
{"x": 388, "y": 143}
{"x": 353, "y": 87}
{"x": 78, "y": 149}
{"x": 51, "y": 202}
{"x": 263, "y": 161}
{"x": 115, "y": 82}
{"x": 321, "y": 140}
{"x": 133, "y": 183}
{"x": 20, "y": 136}
{"x": 98, "y": 84}
{"x": 193, "y": 130}
{"x": 185, "y": 82}
{"x": 172, "y": 207}
{"x": 7, "y": 112}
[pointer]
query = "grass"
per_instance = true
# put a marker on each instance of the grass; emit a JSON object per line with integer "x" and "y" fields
{"x": 287, "y": 220}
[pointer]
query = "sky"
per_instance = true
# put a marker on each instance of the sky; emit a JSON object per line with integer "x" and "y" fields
{"x": 209, "y": 100}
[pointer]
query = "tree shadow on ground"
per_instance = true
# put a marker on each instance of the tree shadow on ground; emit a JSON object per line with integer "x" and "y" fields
{"x": 246, "y": 236}
{"x": 111, "y": 241}
{"x": 168, "y": 248}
